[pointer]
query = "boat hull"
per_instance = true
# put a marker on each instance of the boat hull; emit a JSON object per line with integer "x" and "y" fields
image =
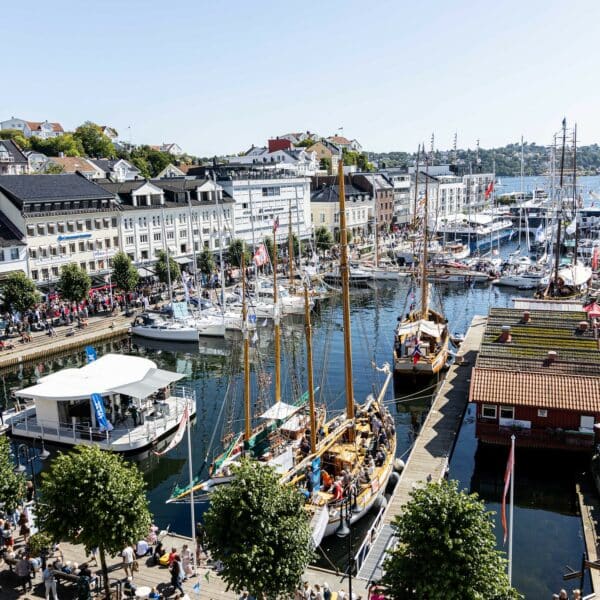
{"x": 183, "y": 334}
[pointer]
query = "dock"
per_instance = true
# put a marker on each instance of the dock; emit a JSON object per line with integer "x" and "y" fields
{"x": 589, "y": 509}
{"x": 433, "y": 447}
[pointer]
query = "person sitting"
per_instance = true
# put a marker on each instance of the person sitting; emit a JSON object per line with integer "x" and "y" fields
{"x": 364, "y": 477}
{"x": 158, "y": 552}
{"x": 336, "y": 490}
{"x": 304, "y": 446}
{"x": 380, "y": 457}
{"x": 154, "y": 595}
{"x": 142, "y": 549}
{"x": 326, "y": 480}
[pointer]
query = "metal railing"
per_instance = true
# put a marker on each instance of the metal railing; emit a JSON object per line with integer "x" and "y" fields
{"x": 370, "y": 538}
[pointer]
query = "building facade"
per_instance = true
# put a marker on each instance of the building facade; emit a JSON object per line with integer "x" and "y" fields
{"x": 42, "y": 129}
{"x": 12, "y": 160}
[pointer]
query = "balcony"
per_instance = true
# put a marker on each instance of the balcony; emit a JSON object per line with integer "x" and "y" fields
{"x": 6, "y": 158}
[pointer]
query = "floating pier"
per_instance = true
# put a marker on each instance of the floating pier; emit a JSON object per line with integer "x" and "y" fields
{"x": 429, "y": 458}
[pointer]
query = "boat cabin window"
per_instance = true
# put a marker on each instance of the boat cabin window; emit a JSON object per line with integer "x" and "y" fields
{"x": 507, "y": 412}
{"x": 489, "y": 411}
{"x": 542, "y": 412}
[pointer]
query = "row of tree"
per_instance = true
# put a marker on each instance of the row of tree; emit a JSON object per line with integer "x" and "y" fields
{"x": 259, "y": 529}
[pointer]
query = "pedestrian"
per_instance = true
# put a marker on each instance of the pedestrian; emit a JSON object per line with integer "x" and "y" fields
{"x": 128, "y": 556}
{"x": 186, "y": 561}
{"x": 23, "y": 572}
{"x": 562, "y": 595}
{"x": 576, "y": 594}
{"x": 177, "y": 574}
{"x": 306, "y": 591}
{"x": 326, "y": 591}
{"x": 49, "y": 582}
{"x": 317, "y": 594}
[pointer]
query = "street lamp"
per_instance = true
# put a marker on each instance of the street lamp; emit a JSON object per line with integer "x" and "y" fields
{"x": 29, "y": 457}
{"x": 345, "y": 530}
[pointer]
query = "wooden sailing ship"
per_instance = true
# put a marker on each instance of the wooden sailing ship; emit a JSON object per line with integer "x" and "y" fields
{"x": 421, "y": 338}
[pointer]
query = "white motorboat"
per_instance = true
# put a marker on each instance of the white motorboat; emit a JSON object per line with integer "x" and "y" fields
{"x": 118, "y": 402}
{"x": 154, "y": 327}
{"x": 207, "y": 325}
{"x": 358, "y": 277}
{"x": 529, "y": 279}
{"x": 455, "y": 273}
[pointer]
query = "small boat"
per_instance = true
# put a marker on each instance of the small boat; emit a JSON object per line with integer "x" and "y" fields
{"x": 154, "y": 327}
{"x": 359, "y": 278}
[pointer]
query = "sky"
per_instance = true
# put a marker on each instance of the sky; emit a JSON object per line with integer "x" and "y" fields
{"x": 219, "y": 76}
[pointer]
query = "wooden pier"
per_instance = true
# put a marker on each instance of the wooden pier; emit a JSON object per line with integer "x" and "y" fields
{"x": 589, "y": 508}
{"x": 433, "y": 447}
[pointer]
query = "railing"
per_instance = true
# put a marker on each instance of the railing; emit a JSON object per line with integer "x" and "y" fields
{"x": 548, "y": 435}
{"x": 370, "y": 537}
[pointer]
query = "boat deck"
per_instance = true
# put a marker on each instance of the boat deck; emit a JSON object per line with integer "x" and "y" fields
{"x": 125, "y": 439}
{"x": 430, "y": 455}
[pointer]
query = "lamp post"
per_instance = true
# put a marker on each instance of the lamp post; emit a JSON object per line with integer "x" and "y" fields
{"x": 30, "y": 455}
{"x": 345, "y": 530}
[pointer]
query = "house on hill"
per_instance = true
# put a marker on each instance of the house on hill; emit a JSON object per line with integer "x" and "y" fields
{"x": 42, "y": 129}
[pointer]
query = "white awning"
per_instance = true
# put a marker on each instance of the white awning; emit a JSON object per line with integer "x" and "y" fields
{"x": 280, "y": 410}
{"x": 182, "y": 260}
{"x": 149, "y": 385}
{"x": 145, "y": 272}
{"x": 422, "y": 326}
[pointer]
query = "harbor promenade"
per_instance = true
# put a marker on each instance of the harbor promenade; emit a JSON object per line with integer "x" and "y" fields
{"x": 589, "y": 508}
{"x": 429, "y": 458}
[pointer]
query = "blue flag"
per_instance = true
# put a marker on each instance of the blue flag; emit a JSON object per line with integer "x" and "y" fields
{"x": 316, "y": 474}
{"x": 90, "y": 353}
{"x": 101, "y": 420}
{"x": 196, "y": 588}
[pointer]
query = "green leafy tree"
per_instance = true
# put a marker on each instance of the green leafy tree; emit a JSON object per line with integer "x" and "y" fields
{"x": 74, "y": 283}
{"x": 124, "y": 275}
{"x": 16, "y": 136}
{"x": 12, "y": 485}
{"x": 161, "y": 268}
{"x": 149, "y": 160}
{"x": 323, "y": 239}
{"x": 19, "y": 292}
{"x": 305, "y": 143}
{"x": 325, "y": 164}
{"x": 94, "y": 498}
{"x": 295, "y": 245}
{"x": 446, "y": 549}
{"x": 53, "y": 169}
{"x": 260, "y": 531}
{"x": 348, "y": 236}
{"x": 66, "y": 143}
{"x": 270, "y": 248}
{"x": 236, "y": 248}
{"x": 142, "y": 164}
{"x": 95, "y": 143}
{"x": 206, "y": 262}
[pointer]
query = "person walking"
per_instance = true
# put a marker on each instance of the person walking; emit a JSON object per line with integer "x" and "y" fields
{"x": 49, "y": 583}
{"x": 128, "y": 557}
{"x": 177, "y": 574}
{"x": 23, "y": 572}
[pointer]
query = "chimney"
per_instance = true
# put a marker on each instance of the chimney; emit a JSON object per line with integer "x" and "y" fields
{"x": 552, "y": 356}
{"x": 505, "y": 337}
{"x": 526, "y": 316}
{"x": 583, "y": 326}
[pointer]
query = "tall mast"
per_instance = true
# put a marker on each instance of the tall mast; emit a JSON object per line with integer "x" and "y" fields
{"x": 424, "y": 284}
{"x": 191, "y": 230}
{"x": 416, "y": 188}
{"x": 291, "y": 245}
{"x": 522, "y": 192}
{"x": 559, "y": 205}
{"x": 164, "y": 235}
{"x": 247, "y": 415}
{"x": 375, "y": 204}
{"x": 309, "y": 368}
{"x": 277, "y": 326}
{"x": 346, "y": 300}
{"x": 575, "y": 192}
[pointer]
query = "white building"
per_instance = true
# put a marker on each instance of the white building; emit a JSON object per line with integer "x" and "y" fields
{"x": 263, "y": 195}
{"x": 63, "y": 219}
{"x": 13, "y": 249}
{"x": 115, "y": 170}
{"x": 42, "y": 129}
{"x": 401, "y": 182}
{"x": 12, "y": 159}
{"x": 298, "y": 160}
{"x": 185, "y": 215}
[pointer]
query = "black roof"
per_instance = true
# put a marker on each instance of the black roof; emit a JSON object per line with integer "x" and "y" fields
{"x": 14, "y": 151}
{"x": 330, "y": 193}
{"x": 24, "y": 189}
{"x": 9, "y": 234}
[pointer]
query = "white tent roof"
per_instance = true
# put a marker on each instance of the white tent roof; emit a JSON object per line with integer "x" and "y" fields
{"x": 280, "y": 410}
{"x": 102, "y": 376}
{"x": 422, "y": 326}
{"x": 577, "y": 274}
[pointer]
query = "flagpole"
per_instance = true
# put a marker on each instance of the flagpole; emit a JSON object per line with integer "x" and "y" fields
{"x": 512, "y": 495}
{"x": 192, "y": 508}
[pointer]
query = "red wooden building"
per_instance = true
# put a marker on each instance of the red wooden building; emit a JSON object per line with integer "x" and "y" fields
{"x": 537, "y": 376}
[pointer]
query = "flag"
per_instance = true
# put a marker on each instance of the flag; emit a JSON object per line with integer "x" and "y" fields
{"x": 416, "y": 354}
{"x": 179, "y": 434}
{"x": 90, "y": 353}
{"x": 196, "y": 588}
{"x": 275, "y": 224}
{"x": 260, "y": 256}
{"x": 103, "y": 423}
{"x": 507, "y": 477}
{"x": 540, "y": 236}
{"x": 489, "y": 189}
{"x": 265, "y": 323}
{"x": 595, "y": 258}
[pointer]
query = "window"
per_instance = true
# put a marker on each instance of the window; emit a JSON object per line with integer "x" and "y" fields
{"x": 489, "y": 411}
{"x": 507, "y": 412}
{"x": 63, "y": 250}
{"x": 107, "y": 242}
{"x": 129, "y": 241}
{"x": 144, "y": 254}
{"x": 90, "y": 245}
{"x": 113, "y": 221}
{"x": 44, "y": 274}
{"x": 100, "y": 264}
{"x": 183, "y": 233}
{"x": 170, "y": 235}
{"x": 322, "y": 217}
{"x": 54, "y": 271}
{"x": 53, "y": 251}
{"x": 157, "y": 237}
{"x": 1, "y": 255}
{"x": 30, "y": 230}
{"x": 98, "y": 223}
{"x": 88, "y": 225}
{"x": 62, "y": 227}
{"x": 116, "y": 241}
{"x": 41, "y": 229}
{"x": 72, "y": 248}
{"x": 14, "y": 254}
{"x": 106, "y": 222}
{"x": 92, "y": 265}
{"x": 271, "y": 191}
{"x": 71, "y": 226}
{"x": 143, "y": 239}
{"x": 82, "y": 265}
{"x": 98, "y": 244}
{"x": 542, "y": 412}
{"x": 80, "y": 225}
{"x": 183, "y": 248}
{"x": 81, "y": 246}
{"x": 32, "y": 253}
{"x": 34, "y": 274}
{"x": 51, "y": 228}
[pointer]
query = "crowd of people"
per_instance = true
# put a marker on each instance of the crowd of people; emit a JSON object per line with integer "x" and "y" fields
{"x": 563, "y": 595}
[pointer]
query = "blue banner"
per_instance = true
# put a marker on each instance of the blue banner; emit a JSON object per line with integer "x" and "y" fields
{"x": 316, "y": 474}
{"x": 101, "y": 421}
{"x": 90, "y": 353}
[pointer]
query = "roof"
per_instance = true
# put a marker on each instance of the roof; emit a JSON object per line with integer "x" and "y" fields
{"x": 14, "y": 151}
{"x": 9, "y": 234}
{"x": 329, "y": 193}
{"x": 37, "y": 125}
{"x": 112, "y": 373}
{"x": 38, "y": 188}
{"x": 541, "y": 390}
{"x": 339, "y": 139}
{"x": 73, "y": 164}
{"x": 107, "y": 165}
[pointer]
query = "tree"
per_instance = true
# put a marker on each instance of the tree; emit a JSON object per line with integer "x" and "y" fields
{"x": 305, "y": 143}
{"x": 446, "y": 548}
{"x": 16, "y": 136}
{"x": 74, "y": 283}
{"x": 19, "y": 292}
{"x": 323, "y": 239}
{"x": 161, "y": 268}
{"x": 237, "y": 247}
{"x": 12, "y": 485}
{"x": 206, "y": 262}
{"x": 295, "y": 245}
{"x": 325, "y": 164}
{"x": 53, "y": 169}
{"x": 270, "y": 248}
{"x": 348, "y": 236}
{"x": 94, "y": 141}
{"x": 260, "y": 531}
{"x": 124, "y": 275}
{"x": 149, "y": 160}
{"x": 94, "y": 498}
{"x": 66, "y": 143}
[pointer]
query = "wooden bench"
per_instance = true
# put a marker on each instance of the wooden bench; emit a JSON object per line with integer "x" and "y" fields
{"x": 72, "y": 578}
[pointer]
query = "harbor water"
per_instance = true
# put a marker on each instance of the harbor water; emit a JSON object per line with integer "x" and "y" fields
{"x": 547, "y": 527}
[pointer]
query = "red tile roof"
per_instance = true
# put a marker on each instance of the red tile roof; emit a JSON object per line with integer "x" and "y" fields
{"x": 73, "y": 164}
{"x": 541, "y": 390}
{"x": 338, "y": 139}
{"x": 37, "y": 125}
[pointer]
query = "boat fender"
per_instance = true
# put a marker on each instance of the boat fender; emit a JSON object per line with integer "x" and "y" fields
{"x": 399, "y": 465}
{"x": 380, "y": 502}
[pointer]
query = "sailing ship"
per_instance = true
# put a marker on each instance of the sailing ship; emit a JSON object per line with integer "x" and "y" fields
{"x": 421, "y": 339}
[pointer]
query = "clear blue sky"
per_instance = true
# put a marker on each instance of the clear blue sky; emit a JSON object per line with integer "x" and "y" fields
{"x": 217, "y": 76}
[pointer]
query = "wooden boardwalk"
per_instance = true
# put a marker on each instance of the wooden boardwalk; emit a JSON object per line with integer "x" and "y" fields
{"x": 589, "y": 508}
{"x": 150, "y": 575}
{"x": 431, "y": 453}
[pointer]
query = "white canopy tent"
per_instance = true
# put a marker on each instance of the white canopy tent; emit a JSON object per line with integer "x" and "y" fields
{"x": 429, "y": 328}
